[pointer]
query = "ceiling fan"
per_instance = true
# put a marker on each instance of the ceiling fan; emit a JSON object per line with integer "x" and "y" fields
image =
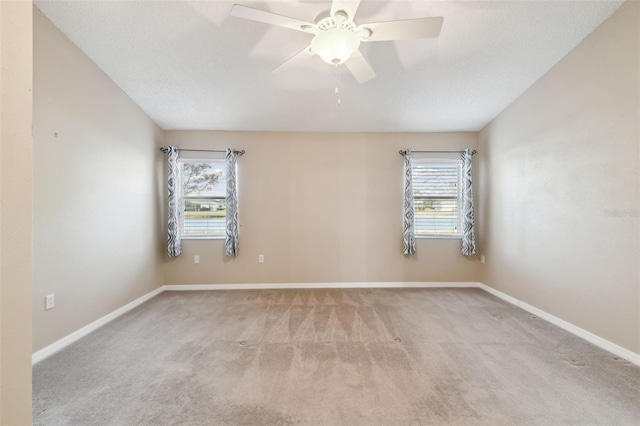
{"x": 337, "y": 38}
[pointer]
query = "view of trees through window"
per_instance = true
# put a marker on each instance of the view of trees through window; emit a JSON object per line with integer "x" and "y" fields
{"x": 204, "y": 194}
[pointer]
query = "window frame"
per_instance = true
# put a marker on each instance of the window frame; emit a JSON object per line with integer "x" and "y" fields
{"x": 432, "y": 160}
{"x": 183, "y": 198}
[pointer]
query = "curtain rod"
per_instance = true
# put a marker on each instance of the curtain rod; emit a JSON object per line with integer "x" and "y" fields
{"x": 404, "y": 152}
{"x": 241, "y": 152}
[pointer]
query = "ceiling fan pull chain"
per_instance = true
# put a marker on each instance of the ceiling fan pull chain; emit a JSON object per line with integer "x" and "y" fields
{"x": 337, "y": 90}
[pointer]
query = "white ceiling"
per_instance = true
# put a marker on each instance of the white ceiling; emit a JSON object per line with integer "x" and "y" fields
{"x": 189, "y": 65}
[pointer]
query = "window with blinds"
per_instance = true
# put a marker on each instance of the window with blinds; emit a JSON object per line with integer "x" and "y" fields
{"x": 203, "y": 196}
{"x": 437, "y": 197}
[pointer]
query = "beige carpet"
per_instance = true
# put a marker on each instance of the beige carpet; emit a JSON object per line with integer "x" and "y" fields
{"x": 333, "y": 357}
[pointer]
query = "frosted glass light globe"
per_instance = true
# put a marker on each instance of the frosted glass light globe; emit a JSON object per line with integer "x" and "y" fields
{"x": 335, "y": 46}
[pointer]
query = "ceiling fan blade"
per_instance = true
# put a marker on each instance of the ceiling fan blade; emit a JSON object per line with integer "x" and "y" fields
{"x": 258, "y": 15}
{"x": 359, "y": 67}
{"x": 405, "y": 30}
{"x": 349, "y": 6}
{"x": 299, "y": 57}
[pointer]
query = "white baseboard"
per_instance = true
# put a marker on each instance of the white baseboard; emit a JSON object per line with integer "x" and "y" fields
{"x": 269, "y": 286}
{"x": 79, "y": 334}
{"x": 584, "y": 334}
{"x": 573, "y": 329}
{"x": 499, "y": 294}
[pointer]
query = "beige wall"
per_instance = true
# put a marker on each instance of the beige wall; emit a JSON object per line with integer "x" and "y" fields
{"x": 15, "y": 212}
{"x": 551, "y": 166}
{"x": 97, "y": 231}
{"x": 321, "y": 207}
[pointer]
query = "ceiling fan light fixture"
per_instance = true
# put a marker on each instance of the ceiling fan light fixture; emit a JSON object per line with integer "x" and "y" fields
{"x": 335, "y": 45}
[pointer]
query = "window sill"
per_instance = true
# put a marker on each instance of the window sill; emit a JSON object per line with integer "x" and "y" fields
{"x": 439, "y": 237}
{"x": 191, "y": 237}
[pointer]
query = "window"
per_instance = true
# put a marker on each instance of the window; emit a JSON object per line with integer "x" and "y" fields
{"x": 204, "y": 186}
{"x": 437, "y": 197}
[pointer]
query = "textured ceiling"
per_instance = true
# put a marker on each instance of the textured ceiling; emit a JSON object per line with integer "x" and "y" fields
{"x": 189, "y": 65}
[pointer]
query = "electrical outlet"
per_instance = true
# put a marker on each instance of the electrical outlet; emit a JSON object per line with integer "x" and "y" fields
{"x": 50, "y": 301}
{"x": 196, "y": 259}
{"x": 261, "y": 258}
{"x": 482, "y": 259}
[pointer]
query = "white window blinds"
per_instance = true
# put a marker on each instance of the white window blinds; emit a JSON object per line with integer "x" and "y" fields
{"x": 436, "y": 191}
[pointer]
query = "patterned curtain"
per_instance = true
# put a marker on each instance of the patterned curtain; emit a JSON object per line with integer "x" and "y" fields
{"x": 409, "y": 235}
{"x": 231, "y": 242}
{"x": 174, "y": 247}
{"x": 468, "y": 221}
